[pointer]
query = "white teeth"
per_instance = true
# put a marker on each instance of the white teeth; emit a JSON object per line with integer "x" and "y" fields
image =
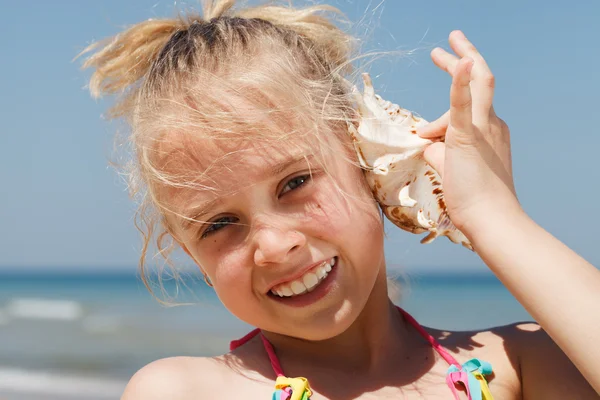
{"x": 306, "y": 283}
{"x": 298, "y": 287}
{"x": 321, "y": 272}
{"x": 310, "y": 281}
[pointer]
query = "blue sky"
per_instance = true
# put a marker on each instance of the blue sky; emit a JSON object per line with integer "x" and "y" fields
{"x": 62, "y": 206}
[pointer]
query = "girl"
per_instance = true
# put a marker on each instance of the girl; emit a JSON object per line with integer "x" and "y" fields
{"x": 239, "y": 127}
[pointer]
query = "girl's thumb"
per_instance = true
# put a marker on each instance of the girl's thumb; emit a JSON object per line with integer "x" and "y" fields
{"x": 434, "y": 156}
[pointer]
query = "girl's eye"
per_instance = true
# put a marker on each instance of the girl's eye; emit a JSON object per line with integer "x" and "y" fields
{"x": 218, "y": 224}
{"x": 295, "y": 183}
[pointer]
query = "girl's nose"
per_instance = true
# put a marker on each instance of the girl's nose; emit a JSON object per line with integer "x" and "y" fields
{"x": 276, "y": 245}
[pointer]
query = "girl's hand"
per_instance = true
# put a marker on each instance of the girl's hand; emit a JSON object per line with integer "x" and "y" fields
{"x": 557, "y": 287}
{"x": 474, "y": 160}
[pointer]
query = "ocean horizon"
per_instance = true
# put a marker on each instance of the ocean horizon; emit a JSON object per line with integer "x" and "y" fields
{"x": 66, "y": 333}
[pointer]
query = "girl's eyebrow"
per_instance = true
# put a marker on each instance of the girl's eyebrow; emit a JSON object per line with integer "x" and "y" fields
{"x": 279, "y": 168}
{"x": 194, "y": 214}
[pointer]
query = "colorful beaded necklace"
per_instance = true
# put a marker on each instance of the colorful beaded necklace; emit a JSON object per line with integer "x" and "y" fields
{"x": 470, "y": 375}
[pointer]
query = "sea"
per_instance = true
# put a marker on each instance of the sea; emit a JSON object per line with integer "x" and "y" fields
{"x": 67, "y": 335}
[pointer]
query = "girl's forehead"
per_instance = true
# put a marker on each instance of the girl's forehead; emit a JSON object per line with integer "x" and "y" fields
{"x": 255, "y": 162}
{"x": 209, "y": 168}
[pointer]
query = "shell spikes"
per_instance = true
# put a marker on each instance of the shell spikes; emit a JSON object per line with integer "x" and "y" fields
{"x": 408, "y": 190}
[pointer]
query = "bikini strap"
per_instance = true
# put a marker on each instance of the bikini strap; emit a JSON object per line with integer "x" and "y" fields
{"x": 272, "y": 356}
{"x": 234, "y": 344}
{"x": 285, "y": 388}
{"x": 470, "y": 374}
{"x": 434, "y": 343}
{"x": 279, "y": 371}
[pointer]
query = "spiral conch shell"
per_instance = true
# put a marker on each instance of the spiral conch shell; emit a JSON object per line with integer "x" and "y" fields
{"x": 408, "y": 190}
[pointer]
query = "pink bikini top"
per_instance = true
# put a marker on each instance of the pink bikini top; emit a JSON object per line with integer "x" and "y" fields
{"x": 469, "y": 375}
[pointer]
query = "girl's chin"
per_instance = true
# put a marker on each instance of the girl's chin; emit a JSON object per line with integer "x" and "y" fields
{"x": 321, "y": 324}
{"x": 317, "y": 331}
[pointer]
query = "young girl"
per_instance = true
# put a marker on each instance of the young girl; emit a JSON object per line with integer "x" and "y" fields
{"x": 239, "y": 127}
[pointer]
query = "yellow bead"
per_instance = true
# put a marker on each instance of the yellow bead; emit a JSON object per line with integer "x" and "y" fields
{"x": 298, "y": 385}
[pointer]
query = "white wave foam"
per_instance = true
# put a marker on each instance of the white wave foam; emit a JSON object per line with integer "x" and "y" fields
{"x": 33, "y": 308}
{"x": 40, "y": 382}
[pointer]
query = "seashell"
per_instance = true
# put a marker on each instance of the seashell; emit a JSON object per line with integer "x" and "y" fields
{"x": 408, "y": 190}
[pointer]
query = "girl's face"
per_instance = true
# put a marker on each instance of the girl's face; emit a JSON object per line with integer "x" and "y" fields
{"x": 279, "y": 222}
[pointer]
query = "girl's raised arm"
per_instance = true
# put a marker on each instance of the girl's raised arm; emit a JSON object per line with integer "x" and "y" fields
{"x": 555, "y": 285}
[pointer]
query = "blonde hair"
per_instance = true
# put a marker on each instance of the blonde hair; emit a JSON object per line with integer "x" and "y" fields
{"x": 178, "y": 75}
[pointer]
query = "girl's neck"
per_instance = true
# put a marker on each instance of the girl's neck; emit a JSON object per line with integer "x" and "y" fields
{"x": 378, "y": 336}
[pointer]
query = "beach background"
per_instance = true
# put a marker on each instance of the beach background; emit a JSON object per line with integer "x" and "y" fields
{"x": 82, "y": 336}
{"x": 75, "y": 320}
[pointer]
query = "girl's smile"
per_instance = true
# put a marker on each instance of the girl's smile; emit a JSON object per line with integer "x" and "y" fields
{"x": 309, "y": 287}
{"x": 282, "y": 240}
{"x": 304, "y": 281}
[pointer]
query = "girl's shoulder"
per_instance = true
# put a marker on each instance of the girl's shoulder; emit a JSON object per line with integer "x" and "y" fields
{"x": 196, "y": 377}
{"x": 526, "y": 362}
{"x": 175, "y": 378}
{"x": 499, "y": 346}
{"x": 502, "y": 343}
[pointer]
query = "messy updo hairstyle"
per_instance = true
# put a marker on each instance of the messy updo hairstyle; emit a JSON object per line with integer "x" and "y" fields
{"x": 186, "y": 74}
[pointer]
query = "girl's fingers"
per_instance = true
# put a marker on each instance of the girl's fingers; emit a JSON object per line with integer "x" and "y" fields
{"x": 462, "y": 46}
{"x": 483, "y": 80}
{"x": 461, "y": 114}
{"x": 435, "y": 155}
{"x": 444, "y": 60}
{"x": 435, "y": 129}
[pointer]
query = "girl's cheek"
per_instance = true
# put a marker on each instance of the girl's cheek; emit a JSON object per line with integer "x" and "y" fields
{"x": 344, "y": 205}
{"x": 329, "y": 211}
{"x": 220, "y": 244}
{"x": 228, "y": 267}
{"x": 211, "y": 253}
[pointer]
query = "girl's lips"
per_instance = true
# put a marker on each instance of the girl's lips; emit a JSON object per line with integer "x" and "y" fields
{"x": 297, "y": 275}
{"x": 308, "y": 298}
